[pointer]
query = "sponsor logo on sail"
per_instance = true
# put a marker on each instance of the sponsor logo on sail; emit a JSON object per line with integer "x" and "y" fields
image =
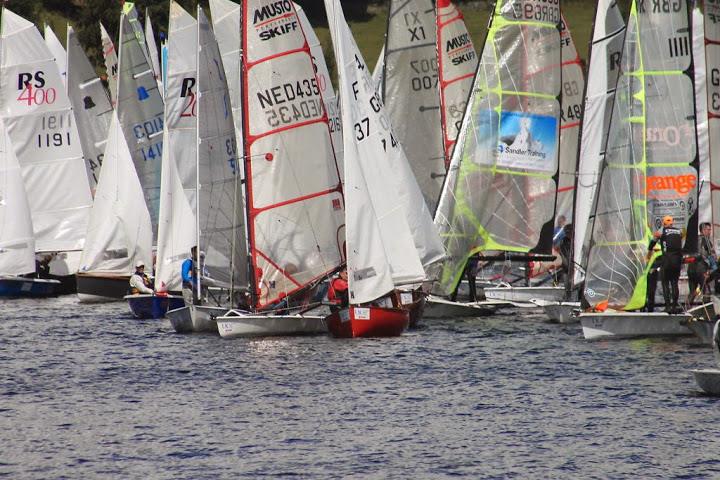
{"x": 275, "y": 19}
{"x": 682, "y": 184}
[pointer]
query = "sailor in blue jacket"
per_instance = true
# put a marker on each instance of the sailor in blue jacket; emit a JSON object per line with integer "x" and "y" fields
{"x": 188, "y": 277}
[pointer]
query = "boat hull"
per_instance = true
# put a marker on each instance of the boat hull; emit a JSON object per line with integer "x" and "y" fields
{"x": 244, "y": 324}
{"x": 437, "y": 307}
{"x": 145, "y": 306}
{"x": 195, "y": 318}
{"x": 16, "y": 287}
{"x": 525, "y": 294}
{"x": 620, "y": 325}
{"x": 708, "y": 380}
{"x": 100, "y": 289}
{"x": 412, "y": 301}
{"x": 560, "y": 312}
{"x": 356, "y": 322}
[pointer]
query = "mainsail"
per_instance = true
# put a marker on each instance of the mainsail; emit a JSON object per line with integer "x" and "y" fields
{"x": 153, "y": 51}
{"x": 499, "y": 193}
{"x": 712, "y": 58}
{"x": 651, "y": 165}
{"x": 119, "y": 231}
{"x": 17, "y": 245}
{"x": 91, "y": 105}
{"x": 457, "y": 62}
{"x": 111, "y": 62}
{"x": 58, "y": 51}
{"x": 701, "y": 116}
{"x": 573, "y": 87}
{"x": 140, "y": 108}
{"x": 41, "y": 124}
{"x": 410, "y": 91}
{"x": 380, "y": 248}
{"x": 603, "y": 70}
{"x": 294, "y": 198}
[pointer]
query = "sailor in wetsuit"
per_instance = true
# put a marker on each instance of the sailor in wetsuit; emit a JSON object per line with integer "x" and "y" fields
{"x": 670, "y": 240}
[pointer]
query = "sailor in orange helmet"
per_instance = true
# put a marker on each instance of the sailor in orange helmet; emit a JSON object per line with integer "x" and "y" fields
{"x": 670, "y": 240}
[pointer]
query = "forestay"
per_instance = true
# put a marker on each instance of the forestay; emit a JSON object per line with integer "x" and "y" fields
{"x": 111, "y": 63}
{"x": 499, "y": 194}
{"x": 603, "y": 70}
{"x": 119, "y": 232}
{"x": 294, "y": 197}
{"x": 573, "y": 86}
{"x": 380, "y": 248}
{"x": 91, "y": 105}
{"x": 140, "y": 109}
{"x": 712, "y": 56}
{"x": 457, "y": 62}
{"x": 58, "y": 52}
{"x": 17, "y": 245}
{"x": 41, "y": 124}
{"x": 650, "y": 167}
{"x": 410, "y": 91}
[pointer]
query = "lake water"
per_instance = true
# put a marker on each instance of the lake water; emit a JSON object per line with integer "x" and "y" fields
{"x": 89, "y": 392}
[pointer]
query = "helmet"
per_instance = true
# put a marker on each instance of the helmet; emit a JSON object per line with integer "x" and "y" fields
{"x": 667, "y": 220}
{"x": 139, "y": 264}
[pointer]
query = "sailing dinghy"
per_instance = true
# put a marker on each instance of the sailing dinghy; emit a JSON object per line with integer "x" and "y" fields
{"x": 293, "y": 194}
{"x": 17, "y": 244}
{"x": 650, "y": 170}
{"x": 499, "y": 193}
{"x": 709, "y": 379}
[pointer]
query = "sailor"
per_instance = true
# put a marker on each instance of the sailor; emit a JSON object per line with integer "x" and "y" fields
{"x": 652, "y": 279}
{"x": 338, "y": 291}
{"x": 139, "y": 282}
{"x": 703, "y": 268}
{"x": 470, "y": 273}
{"x": 42, "y": 266}
{"x": 670, "y": 240}
{"x": 188, "y": 278}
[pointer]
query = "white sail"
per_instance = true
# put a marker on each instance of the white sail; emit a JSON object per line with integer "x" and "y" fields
{"x": 379, "y": 70}
{"x": 410, "y": 91}
{"x": 17, "y": 245}
{"x": 606, "y": 48}
{"x": 701, "y": 114}
{"x": 573, "y": 86}
{"x": 91, "y": 105}
{"x": 140, "y": 108}
{"x": 153, "y": 51}
{"x": 58, "y": 51}
{"x": 651, "y": 164}
{"x": 226, "y": 23}
{"x": 119, "y": 232}
{"x": 294, "y": 194}
{"x": 325, "y": 83}
{"x": 111, "y": 63}
{"x": 176, "y": 229}
{"x": 42, "y": 128}
{"x": 457, "y": 62}
{"x": 712, "y": 86}
{"x": 380, "y": 248}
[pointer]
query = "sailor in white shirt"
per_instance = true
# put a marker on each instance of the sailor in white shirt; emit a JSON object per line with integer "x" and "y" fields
{"x": 139, "y": 282}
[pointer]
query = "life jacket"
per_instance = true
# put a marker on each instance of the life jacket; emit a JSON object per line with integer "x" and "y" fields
{"x": 338, "y": 287}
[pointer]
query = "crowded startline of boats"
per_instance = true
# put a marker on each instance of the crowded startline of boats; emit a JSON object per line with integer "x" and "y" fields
{"x": 231, "y": 141}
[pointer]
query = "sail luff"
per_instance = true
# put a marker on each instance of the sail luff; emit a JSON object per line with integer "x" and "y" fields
{"x": 711, "y": 12}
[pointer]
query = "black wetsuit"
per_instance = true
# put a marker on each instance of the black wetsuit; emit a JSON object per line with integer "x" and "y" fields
{"x": 652, "y": 279}
{"x": 671, "y": 244}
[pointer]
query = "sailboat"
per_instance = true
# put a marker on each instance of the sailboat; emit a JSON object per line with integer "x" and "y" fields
{"x": 499, "y": 192}
{"x": 41, "y": 125}
{"x": 17, "y": 244}
{"x": 91, "y": 105}
{"x": 293, "y": 193}
{"x": 139, "y": 112}
{"x": 650, "y": 170}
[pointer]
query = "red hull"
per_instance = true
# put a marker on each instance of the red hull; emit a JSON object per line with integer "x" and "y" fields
{"x": 367, "y": 322}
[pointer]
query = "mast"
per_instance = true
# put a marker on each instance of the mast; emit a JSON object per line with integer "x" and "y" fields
{"x": 712, "y": 58}
{"x": 198, "y": 100}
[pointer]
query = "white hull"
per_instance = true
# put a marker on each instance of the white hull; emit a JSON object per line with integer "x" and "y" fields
{"x": 195, "y": 318}
{"x": 632, "y": 324}
{"x": 525, "y": 294}
{"x": 90, "y": 298}
{"x": 708, "y": 380}
{"x": 560, "y": 312}
{"x": 241, "y": 324}
{"x": 436, "y": 307}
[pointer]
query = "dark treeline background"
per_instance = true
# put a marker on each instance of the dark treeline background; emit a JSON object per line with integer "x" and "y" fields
{"x": 84, "y": 15}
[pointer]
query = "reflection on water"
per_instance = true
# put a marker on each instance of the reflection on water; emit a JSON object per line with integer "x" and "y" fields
{"x": 88, "y": 392}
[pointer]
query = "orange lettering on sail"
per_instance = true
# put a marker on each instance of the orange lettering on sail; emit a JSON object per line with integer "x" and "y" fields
{"x": 682, "y": 184}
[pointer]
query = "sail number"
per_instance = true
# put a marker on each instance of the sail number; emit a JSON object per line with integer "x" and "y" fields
{"x": 55, "y": 131}
{"x": 539, "y": 10}
{"x": 285, "y": 114}
{"x": 426, "y": 71}
{"x": 660, "y": 6}
{"x": 37, "y": 96}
